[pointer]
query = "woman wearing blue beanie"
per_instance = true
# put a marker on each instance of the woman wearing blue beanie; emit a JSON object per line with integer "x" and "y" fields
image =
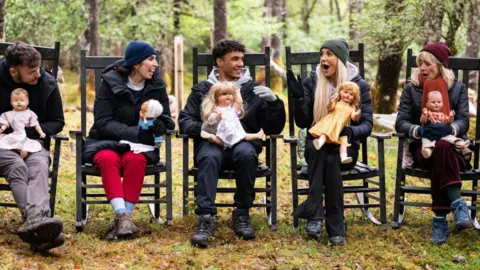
{"x": 324, "y": 168}
{"x": 126, "y": 84}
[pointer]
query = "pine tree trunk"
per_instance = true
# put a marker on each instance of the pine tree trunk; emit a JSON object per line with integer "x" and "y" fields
{"x": 220, "y": 19}
{"x": 93, "y": 34}
{"x": 355, "y": 7}
{"x": 473, "y": 38}
{"x": 386, "y": 83}
{"x": 2, "y": 20}
{"x": 432, "y": 17}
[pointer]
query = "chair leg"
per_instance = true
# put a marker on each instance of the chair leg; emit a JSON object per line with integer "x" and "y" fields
{"x": 381, "y": 180}
{"x": 293, "y": 172}
{"x": 79, "y": 225}
{"x": 157, "y": 206}
{"x": 399, "y": 183}
{"x": 273, "y": 184}
{"x": 268, "y": 200}
{"x": 473, "y": 212}
{"x": 185, "y": 177}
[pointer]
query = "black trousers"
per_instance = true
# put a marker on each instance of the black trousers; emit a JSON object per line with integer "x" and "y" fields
{"x": 324, "y": 177}
{"x": 211, "y": 159}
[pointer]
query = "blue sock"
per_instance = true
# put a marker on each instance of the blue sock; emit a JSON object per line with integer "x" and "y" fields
{"x": 130, "y": 206}
{"x": 118, "y": 205}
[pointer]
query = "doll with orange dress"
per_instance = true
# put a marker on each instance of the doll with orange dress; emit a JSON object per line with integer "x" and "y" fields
{"x": 342, "y": 109}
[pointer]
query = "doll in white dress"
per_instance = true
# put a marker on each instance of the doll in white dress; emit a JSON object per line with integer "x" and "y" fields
{"x": 18, "y": 119}
{"x": 222, "y": 110}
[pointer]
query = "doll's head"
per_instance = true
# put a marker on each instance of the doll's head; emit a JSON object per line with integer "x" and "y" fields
{"x": 150, "y": 109}
{"x": 222, "y": 94}
{"x": 434, "y": 101}
{"x": 19, "y": 99}
{"x": 348, "y": 92}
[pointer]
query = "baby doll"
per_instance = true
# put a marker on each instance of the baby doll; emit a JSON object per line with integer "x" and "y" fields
{"x": 149, "y": 111}
{"x": 432, "y": 113}
{"x": 222, "y": 110}
{"x": 341, "y": 109}
{"x": 18, "y": 119}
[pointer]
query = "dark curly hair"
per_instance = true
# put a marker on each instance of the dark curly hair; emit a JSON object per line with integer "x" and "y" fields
{"x": 21, "y": 54}
{"x": 225, "y": 46}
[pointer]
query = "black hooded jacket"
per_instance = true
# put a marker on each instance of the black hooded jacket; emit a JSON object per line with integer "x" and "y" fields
{"x": 303, "y": 108}
{"x": 44, "y": 100}
{"x": 115, "y": 115}
{"x": 259, "y": 113}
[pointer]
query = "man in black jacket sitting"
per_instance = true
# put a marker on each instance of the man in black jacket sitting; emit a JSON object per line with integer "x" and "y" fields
{"x": 28, "y": 178}
{"x": 263, "y": 110}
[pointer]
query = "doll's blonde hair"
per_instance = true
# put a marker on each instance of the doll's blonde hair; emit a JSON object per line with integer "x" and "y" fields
{"x": 19, "y": 91}
{"x": 355, "y": 89}
{"x": 322, "y": 90}
{"x": 210, "y": 102}
{"x": 447, "y": 74}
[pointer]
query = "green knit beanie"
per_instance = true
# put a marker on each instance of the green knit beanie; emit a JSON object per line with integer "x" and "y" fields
{"x": 339, "y": 46}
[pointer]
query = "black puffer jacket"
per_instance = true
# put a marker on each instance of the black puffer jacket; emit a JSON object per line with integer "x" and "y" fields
{"x": 303, "y": 108}
{"x": 409, "y": 110}
{"x": 270, "y": 116}
{"x": 115, "y": 115}
{"x": 45, "y": 101}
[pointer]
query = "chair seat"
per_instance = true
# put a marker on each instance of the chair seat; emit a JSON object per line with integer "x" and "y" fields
{"x": 360, "y": 171}
{"x": 473, "y": 174}
{"x": 89, "y": 169}
{"x": 262, "y": 171}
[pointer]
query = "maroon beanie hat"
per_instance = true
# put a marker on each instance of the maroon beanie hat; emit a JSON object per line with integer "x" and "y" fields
{"x": 440, "y": 51}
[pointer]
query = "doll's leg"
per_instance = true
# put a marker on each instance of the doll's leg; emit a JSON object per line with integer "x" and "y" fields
{"x": 344, "y": 158}
{"x": 459, "y": 143}
{"x": 320, "y": 141}
{"x": 254, "y": 136}
{"x": 427, "y": 148}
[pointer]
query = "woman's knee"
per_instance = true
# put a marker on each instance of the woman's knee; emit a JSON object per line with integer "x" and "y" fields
{"x": 107, "y": 158}
{"x": 130, "y": 158}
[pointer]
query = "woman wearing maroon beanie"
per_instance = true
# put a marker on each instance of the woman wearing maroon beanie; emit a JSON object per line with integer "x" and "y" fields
{"x": 445, "y": 163}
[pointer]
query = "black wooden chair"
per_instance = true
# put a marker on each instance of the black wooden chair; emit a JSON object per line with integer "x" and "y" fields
{"x": 465, "y": 65}
{"x": 267, "y": 170}
{"x": 361, "y": 171}
{"x": 84, "y": 196}
{"x": 48, "y": 54}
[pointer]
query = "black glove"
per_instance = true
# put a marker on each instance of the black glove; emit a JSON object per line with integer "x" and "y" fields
{"x": 434, "y": 132}
{"x": 347, "y": 131}
{"x": 295, "y": 85}
{"x": 158, "y": 128}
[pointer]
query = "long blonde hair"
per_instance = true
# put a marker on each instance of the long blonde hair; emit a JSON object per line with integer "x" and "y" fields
{"x": 322, "y": 92}
{"x": 447, "y": 74}
{"x": 210, "y": 102}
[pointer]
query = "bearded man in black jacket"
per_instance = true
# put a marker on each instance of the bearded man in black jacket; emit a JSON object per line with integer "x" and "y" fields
{"x": 263, "y": 110}
{"x": 28, "y": 178}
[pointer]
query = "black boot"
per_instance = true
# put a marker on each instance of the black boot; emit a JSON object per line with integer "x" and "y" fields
{"x": 205, "y": 230}
{"x": 39, "y": 227}
{"x": 241, "y": 224}
{"x": 44, "y": 247}
{"x": 313, "y": 228}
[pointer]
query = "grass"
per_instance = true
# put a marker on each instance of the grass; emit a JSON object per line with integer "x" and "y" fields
{"x": 167, "y": 247}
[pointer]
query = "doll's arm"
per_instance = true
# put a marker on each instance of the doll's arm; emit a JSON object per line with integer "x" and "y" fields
{"x": 355, "y": 116}
{"x": 332, "y": 102}
{"x": 424, "y": 117}
{"x": 40, "y": 131}
{"x": 239, "y": 100}
{"x": 3, "y": 128}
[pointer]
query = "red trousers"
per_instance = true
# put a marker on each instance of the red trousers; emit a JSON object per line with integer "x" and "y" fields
{"x": 113, "y": 165}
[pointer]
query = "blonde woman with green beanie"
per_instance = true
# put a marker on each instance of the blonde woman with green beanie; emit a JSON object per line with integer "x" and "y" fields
{"x": 311, "y": 97}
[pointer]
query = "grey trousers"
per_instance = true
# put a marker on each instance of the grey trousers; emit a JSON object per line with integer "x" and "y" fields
{"x": 27, "y": 178}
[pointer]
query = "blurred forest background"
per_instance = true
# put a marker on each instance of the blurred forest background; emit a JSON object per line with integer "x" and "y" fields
{"x": 386, "y": 27}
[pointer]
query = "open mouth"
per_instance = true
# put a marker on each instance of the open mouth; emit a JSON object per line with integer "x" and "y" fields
{"x": 325, "y": 66}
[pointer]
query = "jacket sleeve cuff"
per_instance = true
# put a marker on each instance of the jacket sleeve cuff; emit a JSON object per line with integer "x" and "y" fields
{"x": 412, "y": 132}
{"x": 454, "y": 129}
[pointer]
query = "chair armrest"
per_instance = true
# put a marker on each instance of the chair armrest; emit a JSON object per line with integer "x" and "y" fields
{"x": 275, "y": 136}
{"x": 171, "y": 132}
{"x": 291, "y": 140}
{"x": 399, "y": 135}
{"x": 182, "y": 135}
{"x": 75, "y": 133}
{"x": 59, "y": 138}
{"x": 380, "y": 136}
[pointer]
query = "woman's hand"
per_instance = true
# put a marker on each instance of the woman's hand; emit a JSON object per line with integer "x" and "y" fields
{"x": 356, "y": 115}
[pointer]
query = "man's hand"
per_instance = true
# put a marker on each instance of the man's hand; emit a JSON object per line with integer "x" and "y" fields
{"x": 265, "y": 93}
{"x": 295, "y": 84}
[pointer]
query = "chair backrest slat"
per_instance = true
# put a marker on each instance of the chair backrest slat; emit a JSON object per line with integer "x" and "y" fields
{"x": 251, "y": 61}
{"x": 95, "y": 64}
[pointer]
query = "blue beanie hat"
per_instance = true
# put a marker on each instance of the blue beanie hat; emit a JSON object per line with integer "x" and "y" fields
{"x": 136, "y": 52}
